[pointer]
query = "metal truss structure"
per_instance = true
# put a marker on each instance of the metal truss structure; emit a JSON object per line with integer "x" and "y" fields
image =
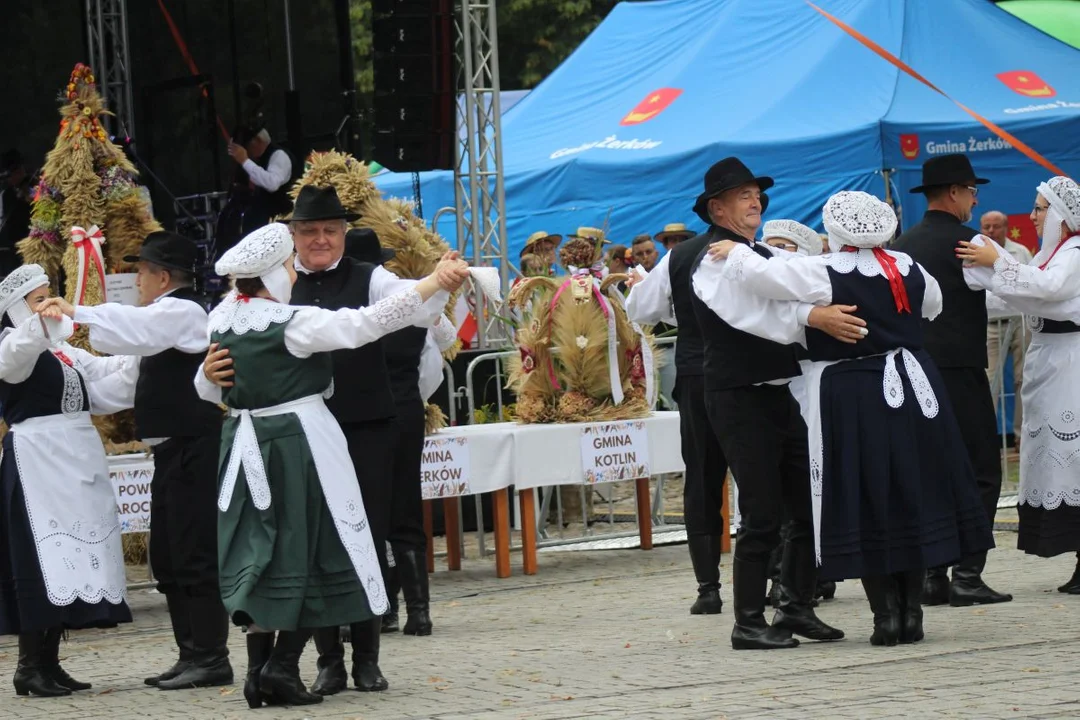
{"x": 107, "y": 35}
{"x": 479, "y": 193}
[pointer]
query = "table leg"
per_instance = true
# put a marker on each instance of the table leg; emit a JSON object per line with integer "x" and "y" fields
{"x": 725, "y": 517}
{"x": 527, "y": 499}
{"x": 500, "y": 506}
{"x": 429, "y": 533}
{"x": 453, "y": 534}
{"x": 644, "y": 513}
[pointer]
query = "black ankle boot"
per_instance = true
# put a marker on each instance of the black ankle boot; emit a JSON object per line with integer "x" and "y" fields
{"x": 412, "y": 573}
{"x": 390, "y": 621}
{"x": 180, "y": 617}
{"x": 333, "y": 677}
{"x": 210, "y": 666}
{"x": 968, "y": 587}
{"x": 881, "y": 591}
{"x": 705, "y": 557}
{"x": 31, "y": 675}
{"x": 1072, "y": 587}
{"x": 826, "y": 590}
{"x": 751, "y": 632}
{"x": 365, "y": 657}
{"x": 798, "y": 580}
{"x": 936, "y": 587}
{"x": 259, "y": 648}
{"x": 280, "y": 677}
{"x": 910, "y": 585}
{"x": 51, "y": 662}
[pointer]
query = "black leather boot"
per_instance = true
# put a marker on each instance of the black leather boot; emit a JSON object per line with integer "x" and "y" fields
{"x": 391, "y": 623}
{"x": 280, "y": 677}
{"x": 31, "y": 675}
{"x": 259, "y": 647}
{"x": 333, "y": 678}
{"x": 751, "y": 632}
{"x": 826, "y": 590}
{"x": 365, "y": 656}
{"x": 798, "y": 580}
{"x": 210, "y": 666}
{"x": 775, "y": 559}
{"x": 881, "y": 591}
{"x": 412, "y": 573}
{"x": 936, "y": 587}
{"x": 1073, "y": 586}
{"x": 51, "y": 661}
{"x": 910, "y": 585}
{"x": 705, "y": 557}
{"x": 180, "y": 618}
{"x": 968, "y": 587}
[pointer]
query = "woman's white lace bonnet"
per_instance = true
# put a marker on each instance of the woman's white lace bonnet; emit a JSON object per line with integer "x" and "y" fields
{"x": 805, "y": 238}
{"x": 259, "y": 252}
{"x": 858, "y": 219}
{"x": 19, "y": 283}
{"x": 1063, "y": 194}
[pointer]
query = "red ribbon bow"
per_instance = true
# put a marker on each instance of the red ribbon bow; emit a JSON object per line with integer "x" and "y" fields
{"x": 892, "y": 274}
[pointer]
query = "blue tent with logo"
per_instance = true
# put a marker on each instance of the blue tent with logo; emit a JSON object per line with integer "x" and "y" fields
{"x": 625, "y": 128}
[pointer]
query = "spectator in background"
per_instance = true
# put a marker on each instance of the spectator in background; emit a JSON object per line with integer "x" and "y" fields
{"x": 673, "y": 234}
{"x": 14, "y": 208}
{"x": 616, "y": 263}
{"x": 644, "y": 251}
{"x": 995, "y": 225}
{"x": 541, "y": 246}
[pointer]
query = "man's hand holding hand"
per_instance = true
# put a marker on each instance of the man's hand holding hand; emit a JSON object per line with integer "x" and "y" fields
{"x": 839, "y": 322}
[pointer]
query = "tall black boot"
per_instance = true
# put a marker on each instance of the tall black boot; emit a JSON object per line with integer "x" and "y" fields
{"x": 365, "y": 656}
{"x": 705, "y": 557}
{"x": 259, "y": 647}
{"x": 798, "y": 580}
{"x": 968, "y": 587}
{"x": 180, "y": 617}
{"x": 31, "y": 675}
{"x": 751, "y": 632}
{"x": 910, "y": 585}
{"x": 51, "y": 661}
{"x": 210, "y": 666}
{"x": 881, "y": 591}
{"x": 1073, "y": 586}
{"x": 412, "y": 573}
{"x": 936, "y": 587}
{"x": 280, "y": 677}
{"x": 333, "y": 677}
{"x": 775, "y": 559}
{"x": 392, "y": 580}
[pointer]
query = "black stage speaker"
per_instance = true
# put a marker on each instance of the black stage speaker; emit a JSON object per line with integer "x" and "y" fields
{"x": 415, "y": 84}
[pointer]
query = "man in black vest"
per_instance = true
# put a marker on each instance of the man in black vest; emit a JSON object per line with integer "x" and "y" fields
{"x": 756, "y": 421}
{"x": 168, "y": 331}
{"x": 260, "y": 189}
{"x": 956, "y": 341}
{"x": 362, "y": 401}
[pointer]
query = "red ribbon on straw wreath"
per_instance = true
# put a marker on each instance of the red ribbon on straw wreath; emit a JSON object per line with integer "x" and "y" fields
{"x": 1005, "y": 135}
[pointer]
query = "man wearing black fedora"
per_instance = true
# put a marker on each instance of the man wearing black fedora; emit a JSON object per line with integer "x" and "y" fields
{"x": 956, "y": 340}
{"x": 168, "y": 332}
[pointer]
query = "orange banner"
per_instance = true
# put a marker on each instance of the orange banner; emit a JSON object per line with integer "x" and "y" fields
{"x": 992, "y": 127}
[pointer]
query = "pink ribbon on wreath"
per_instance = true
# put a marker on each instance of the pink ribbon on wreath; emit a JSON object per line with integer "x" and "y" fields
{"x": 88, "y": 244}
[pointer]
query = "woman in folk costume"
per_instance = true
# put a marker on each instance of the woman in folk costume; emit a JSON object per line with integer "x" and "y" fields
{"x": 1048, "y": 292}
{"x": 893, "y": 490}
{"x": 295, "y": 551}
{"x": 62, "y": 564}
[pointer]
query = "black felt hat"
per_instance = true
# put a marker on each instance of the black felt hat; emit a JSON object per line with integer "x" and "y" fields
{"x": 315, "y": 203}
{"x": 167, "y": 250}
{"x": 948, "y": 170}
{"x": 725, "y": 175}
{"x": 363, "y": 244}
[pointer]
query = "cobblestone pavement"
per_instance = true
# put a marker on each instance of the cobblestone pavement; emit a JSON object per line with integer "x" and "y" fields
{"x": 608, "y": 635}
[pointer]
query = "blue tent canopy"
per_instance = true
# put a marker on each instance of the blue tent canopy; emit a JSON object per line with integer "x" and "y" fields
{"x": 629, "y": 123}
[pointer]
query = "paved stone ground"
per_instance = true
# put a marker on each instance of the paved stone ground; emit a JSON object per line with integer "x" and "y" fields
{"x": 607, "y": 635}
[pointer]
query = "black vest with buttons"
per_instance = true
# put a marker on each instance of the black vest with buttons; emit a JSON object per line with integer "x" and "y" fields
{"x": 690, "y": 348}
{"x": 361, "y": 381}
{"x": 166, "y": 404}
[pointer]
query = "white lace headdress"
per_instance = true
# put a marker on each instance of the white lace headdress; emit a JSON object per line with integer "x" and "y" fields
{"x": 805, "y": 238}
{"x": 858, "y": 219}
{"x": 257, "y": 253}
{"x": 16, "y": 286}
{"x": 1063, "y": 194}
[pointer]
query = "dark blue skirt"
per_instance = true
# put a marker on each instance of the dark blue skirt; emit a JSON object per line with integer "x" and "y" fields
{"x": 24, "y": 603}
{"x": 898, "y": 490}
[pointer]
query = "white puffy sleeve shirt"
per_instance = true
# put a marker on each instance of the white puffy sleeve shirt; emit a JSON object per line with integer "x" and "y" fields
{"x": 1052, "y": 293}
{"x": 649, "y": 301}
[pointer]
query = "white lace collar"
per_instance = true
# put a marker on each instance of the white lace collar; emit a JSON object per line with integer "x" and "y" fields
{"x": 242, "y": 315}
{"x": 865, "y": 262}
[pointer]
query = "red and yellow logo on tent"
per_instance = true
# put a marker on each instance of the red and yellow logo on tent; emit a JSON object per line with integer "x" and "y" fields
{"x": 1022, "y": 230}
{"x": 909, "y": 146}
{"x": 1026, "y": 83}
{"x": 654, "y": 103}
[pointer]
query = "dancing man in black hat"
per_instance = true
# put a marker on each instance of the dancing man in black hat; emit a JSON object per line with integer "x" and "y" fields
{"x": 956, "y": 341}
{"x": 754, "y": 417}
{"x": 168, "y": 331}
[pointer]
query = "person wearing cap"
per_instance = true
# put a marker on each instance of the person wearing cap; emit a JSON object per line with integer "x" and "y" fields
{"x": 541, "y": 244}
{"x": 415, "y": 364}
{"x": 167, "y": 331}
{"x": 63, "y": 562}
{"x": 956, "y": 340}
{"x": 296, "y": 549}
{"x": 751, "y": 410}
{"x": 1047, "y": 290}
{"x": 673, "y": 234}
{"x": 644, "y": 250}
{"x": 791, "y": 236}
{"x": 892, "y": 487}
